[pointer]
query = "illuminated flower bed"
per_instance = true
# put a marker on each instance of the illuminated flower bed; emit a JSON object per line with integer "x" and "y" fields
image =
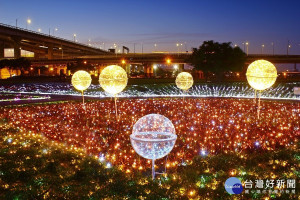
{"x": 33, "y": 167}
{"x": 203, "y": 127}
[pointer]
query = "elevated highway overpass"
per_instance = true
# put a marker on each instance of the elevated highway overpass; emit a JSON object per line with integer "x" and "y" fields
{"x": 146, "y": 61}
{"x": 158, "y": 58}
{"x": 44, "y": 46}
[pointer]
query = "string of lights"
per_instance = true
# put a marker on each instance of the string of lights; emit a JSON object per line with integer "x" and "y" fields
{"x": 231, "y": 127}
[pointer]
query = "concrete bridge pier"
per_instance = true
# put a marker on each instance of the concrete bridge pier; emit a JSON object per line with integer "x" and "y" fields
{"x": 151, "y": 70}
{"x": 36, "y": 55}
{"x": 17, "y": 47}
{"x": 127, "y": 68}
{"x": 1, "y": 49}
{"x": 148, "y": 70}
{"x": 180, "y": 67}
{"x": 50, "y": 51}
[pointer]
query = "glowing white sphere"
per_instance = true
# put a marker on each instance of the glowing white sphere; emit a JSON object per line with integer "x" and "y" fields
{"x": 113, "y": 79}
{"x": 184, "y": 80}
{"x": 81, "y": 80}
{"x": 153, "y": 136}
{"x": 261, "y": 74}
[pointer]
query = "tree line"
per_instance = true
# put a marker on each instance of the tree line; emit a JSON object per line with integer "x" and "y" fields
{"x": 21, "y": 64}
{"x": 217, "y": 58}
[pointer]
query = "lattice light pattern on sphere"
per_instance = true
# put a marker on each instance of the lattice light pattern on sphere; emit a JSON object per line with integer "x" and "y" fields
{"x": 261, "y": 74}
{"x": 184, "y": 80}
{"x": 113, "y": 79}
{"x": 81, "y": 80}
{"x": 153, "y": 136}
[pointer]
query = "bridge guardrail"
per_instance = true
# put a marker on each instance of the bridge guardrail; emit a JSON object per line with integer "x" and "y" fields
{"x": 47, "y": 35}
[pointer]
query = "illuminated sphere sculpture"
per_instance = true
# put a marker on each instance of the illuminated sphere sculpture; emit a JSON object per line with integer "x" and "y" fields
{"x": 81, "y": 80}
{"x": 184, "y": 80}
{"x": 113, "y": 79}
{"x": 153, "y": 136}
{"x": 261, "y": 74}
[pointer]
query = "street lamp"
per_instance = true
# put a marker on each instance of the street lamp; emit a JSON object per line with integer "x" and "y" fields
{"x": 56, "y": 29}
{"x": 247, "y": 44}
{"x": 262, "y": 48}
{"x": 273, "y": 47}
{"x": 168, "y": 61}
{"x": 154, "y": 67}
{"x": 28, "y": 22}
{"x": 62, "y": 52}
{"x": 39, "y": 30}
{"x": 142, "y": 45}
{"x": 288, "y": 49}
{"x": 74, "y": 35}
{"x": 180, "y": 48}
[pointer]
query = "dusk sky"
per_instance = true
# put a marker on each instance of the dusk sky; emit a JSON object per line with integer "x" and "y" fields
{"x": 163, "y": 22}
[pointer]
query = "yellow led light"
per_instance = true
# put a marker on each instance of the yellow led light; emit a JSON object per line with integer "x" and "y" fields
{"x": 113, "y": 79}
{"x": 184, "y": 80}
{"x": 261, "y": 74}
{"x": 81, "y": 80}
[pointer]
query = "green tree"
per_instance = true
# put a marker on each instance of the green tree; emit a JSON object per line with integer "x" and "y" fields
{"x": 214, "y": 57}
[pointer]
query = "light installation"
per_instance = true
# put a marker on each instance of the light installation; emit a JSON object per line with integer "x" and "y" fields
{"x": 184, "y": 81}
{"x": 113, "y": 79}
{"x": 81, "y": 80}
{"x": 153, "y": 137}
{"x": 261, "y": 75}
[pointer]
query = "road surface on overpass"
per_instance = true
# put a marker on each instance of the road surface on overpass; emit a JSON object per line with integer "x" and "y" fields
{"x": 43, "y": 45}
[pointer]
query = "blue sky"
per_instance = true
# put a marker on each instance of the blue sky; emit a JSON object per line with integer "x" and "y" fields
{"x": 143, "y": 23}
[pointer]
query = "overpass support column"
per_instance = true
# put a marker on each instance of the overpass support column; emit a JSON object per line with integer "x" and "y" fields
{"x": 50, "y": 52}
{"x": 295, "y": 66}
{"x": 145, "y": 70}
{"x": 127, "y": 68}
{"x": 1, "y": 49}
{"x": 180, "y": 67}
{"x": 17, "y": 49}
{"x": 36, "y": 55}
{"x": 151, "y": 70}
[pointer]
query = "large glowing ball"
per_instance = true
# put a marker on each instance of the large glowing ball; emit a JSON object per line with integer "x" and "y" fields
{"x": 153, "y": 136}
{"x": 113, "y": 79}
{"x": 261, "y": 74}
{"x": 184, "y": 80}
{"x": 81, "y": 80}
